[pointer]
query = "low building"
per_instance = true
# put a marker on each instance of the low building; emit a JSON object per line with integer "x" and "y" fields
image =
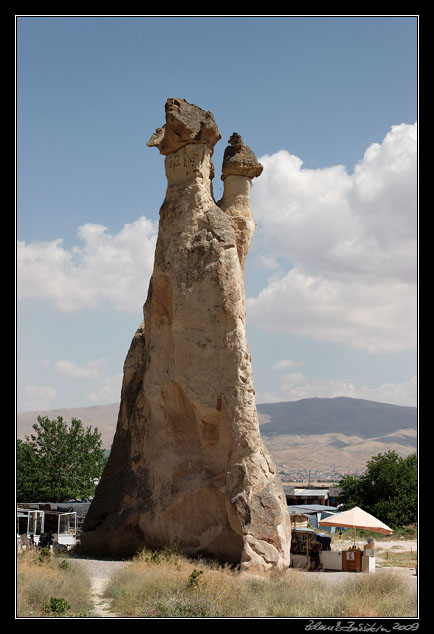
{"x": 295, "y": 496}
{"x": 325, "y": 497}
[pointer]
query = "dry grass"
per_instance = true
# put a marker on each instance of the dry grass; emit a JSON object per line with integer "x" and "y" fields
{"x": 167, "y": 584}
{"x": 50, "y": 586}
{"x": 170, "y": 585}
{"x": 384, "y": 595}
{"x": 173, "y": 586}
{"x": 398, "y": 558}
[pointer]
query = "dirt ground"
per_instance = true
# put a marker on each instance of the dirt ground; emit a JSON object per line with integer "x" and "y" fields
{"x": 336, "y": 576}
{"x": 396, "y": 545}
{"x": 383, "y": 550}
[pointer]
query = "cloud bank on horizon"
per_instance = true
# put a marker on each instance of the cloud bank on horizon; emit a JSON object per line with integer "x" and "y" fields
{"x": 339, "y": 248}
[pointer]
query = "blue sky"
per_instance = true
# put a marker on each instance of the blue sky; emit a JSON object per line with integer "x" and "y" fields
{"x": 328, "y": 104}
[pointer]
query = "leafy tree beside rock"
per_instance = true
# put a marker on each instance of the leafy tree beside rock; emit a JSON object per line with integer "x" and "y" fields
{"x": 59, "y": 462}
{"x": 387, "y": 489}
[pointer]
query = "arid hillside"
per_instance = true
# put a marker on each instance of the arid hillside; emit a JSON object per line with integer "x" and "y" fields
{"x": 317, "y": 435}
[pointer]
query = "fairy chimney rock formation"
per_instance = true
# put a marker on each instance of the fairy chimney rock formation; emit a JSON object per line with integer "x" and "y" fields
{"x": 239, "y": 167}
{"x": 188, "y": 466}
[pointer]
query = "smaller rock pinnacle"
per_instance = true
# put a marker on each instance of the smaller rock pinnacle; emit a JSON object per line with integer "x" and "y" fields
{"x": 238, "y": 159}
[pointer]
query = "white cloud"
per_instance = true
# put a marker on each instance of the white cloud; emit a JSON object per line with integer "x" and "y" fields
{"x": 296, "y": 386}
{"x": 108, "y": 392}
{"x": 109, "y": 267}
{"x": 38, "y": 397}
{"x": 91, "y": 370}
{"x": 397, "y": 393}
{"x": 350, "y": 244}
{"x": 378, "y": 317}
{"x": 286, "y": 363}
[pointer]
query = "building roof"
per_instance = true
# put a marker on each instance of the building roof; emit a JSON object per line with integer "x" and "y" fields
{"x": 310, "y": 509}
{"x": 292, "y": 510}
{"x": 81, "y": 508}
{"x": 312, "y": 492}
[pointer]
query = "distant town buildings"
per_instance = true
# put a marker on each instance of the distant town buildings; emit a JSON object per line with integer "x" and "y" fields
{"x": 329, "y": 473}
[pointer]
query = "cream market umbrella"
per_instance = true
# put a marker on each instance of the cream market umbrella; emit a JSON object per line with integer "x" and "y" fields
{"x": 356, "y": 518}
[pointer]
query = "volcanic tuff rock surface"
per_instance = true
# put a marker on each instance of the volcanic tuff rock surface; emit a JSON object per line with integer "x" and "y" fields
{"x": 239, "y": 159}
{"x": 188, "y": 466}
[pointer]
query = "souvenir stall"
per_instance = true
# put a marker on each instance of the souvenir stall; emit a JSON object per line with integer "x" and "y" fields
{"x": 354, "y": 558}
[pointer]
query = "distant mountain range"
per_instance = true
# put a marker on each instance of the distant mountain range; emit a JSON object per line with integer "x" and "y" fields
{"x": 323, "y": 435}
{"x": 327, "y": 437}
{"x": 342, "y": 415}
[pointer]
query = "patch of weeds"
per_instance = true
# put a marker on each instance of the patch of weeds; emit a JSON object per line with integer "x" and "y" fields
{"x": 44, "y": 555}
{"x": 63, "y": 565}
{"x": 193, "y": 580}
{"x": 56, "y": 606}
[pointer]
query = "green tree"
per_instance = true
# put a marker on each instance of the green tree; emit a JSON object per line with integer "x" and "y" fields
{"x": 350, "y": 494}
{"x": 58, "y": 462}
{"x": 28, "y": 471}
{"x": 387, "y": 489}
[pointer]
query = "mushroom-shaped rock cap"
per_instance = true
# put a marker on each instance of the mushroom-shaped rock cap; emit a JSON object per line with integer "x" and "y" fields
{"x": 185, "y": 124}
{"x": 238, "y": 159}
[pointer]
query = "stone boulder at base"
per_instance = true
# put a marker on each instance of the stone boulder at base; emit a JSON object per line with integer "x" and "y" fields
{"x": 188, "y": 467}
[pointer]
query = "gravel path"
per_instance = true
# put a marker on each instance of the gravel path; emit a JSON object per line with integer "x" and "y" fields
{"x": 100, "y": 571}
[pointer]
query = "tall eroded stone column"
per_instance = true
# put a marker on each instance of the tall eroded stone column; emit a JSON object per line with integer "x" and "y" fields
{"x": 188, "y": 466}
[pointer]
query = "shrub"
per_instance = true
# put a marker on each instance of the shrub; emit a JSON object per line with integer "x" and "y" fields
{"x": 63, "y": 565}
{"x": 44, "y": 555}
{"x": 193, "y": 580}
{"x": 56, "y": 606}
